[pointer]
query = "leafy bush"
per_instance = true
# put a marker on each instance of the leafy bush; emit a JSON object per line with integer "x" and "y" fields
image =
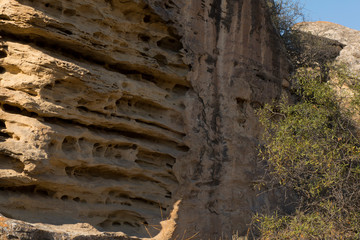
{"x": 312, "y": 148}
{"x": 284, "y": 14}
{"x": 302, "y": 49}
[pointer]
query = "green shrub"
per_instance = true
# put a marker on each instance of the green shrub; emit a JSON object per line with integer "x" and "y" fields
{"x": 312, "y": 148}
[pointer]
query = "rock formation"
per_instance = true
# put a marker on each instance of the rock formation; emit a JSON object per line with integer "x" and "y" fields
{"x": 348, "y": 54}
{"x": 131, "y": 119}
{"x": 350, "y": 38}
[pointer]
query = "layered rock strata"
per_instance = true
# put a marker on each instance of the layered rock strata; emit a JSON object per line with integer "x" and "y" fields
{"x": 115, "y": 113}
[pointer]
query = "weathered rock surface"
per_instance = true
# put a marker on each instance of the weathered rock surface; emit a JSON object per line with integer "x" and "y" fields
{"x": 350, "y": 54}
{"x": 116, "y": 113}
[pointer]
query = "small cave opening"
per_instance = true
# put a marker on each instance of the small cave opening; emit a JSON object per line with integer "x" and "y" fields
{"x": 147, "y": 18}
{"x": 3, "y": 54}
{"x": 170, "y": 43}
{"x": 144, "y": 37}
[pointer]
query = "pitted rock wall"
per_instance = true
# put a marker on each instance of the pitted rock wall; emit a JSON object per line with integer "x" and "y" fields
{"x": 116, "y": 113}
{"x": 238, "y": 64}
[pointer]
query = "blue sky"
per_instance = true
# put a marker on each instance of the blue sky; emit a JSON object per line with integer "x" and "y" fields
{"x": 343, "y": 12}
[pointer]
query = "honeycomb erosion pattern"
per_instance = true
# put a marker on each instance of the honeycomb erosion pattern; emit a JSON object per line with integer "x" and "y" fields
{"x": 98, "y": 110}
{"x": 108, "y": 117}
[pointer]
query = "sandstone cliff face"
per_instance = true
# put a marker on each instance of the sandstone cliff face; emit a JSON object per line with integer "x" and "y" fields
{"x": 116, "y": 113}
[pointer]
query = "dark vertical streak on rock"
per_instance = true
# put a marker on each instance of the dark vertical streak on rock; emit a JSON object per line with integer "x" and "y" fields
{"x": 230, "y": 5}
{"x": 275, "y": 57}
{"x": 215, "y": 13}
{"x": 255, "y": 16}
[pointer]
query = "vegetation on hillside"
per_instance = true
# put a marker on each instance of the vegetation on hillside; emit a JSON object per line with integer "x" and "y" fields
{"x": 311, "y": 147}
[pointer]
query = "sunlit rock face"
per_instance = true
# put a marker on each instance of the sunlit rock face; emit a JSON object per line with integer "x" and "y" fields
{"x": 133, "y": 119}
{"x": 350, "y": 38}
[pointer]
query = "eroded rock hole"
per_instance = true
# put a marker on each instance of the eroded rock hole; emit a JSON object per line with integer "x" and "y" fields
{"x": 241, "y": 104}
{"x": 144, "y": 38}
{"x": 12, "y": 109}
{"x": 98, "y": 150}
{"x": 167, "y": 6}
{"x": 48, "y": 86}
{"x": 168, "y": 195}
{"x": 161, "y": 60}
{"x": 16, "y": 110}
{"x": 82, "y": 109}
{"x": 4, "y": 136}
{"x": 69, "y": 144}
{"x": 8, "y": 162}
{"x": 64, "y": 198}
{"x": 169, "y": 43}
{"x": 261, "y": 76}
{"x": 2, "y": 124}
{"x": 69, "y": 171}
{"x": 147, "y": 19}
{"x": 180, "y": 89}
{"x": 3, "y": 54}
{"x": 183, "y": 148}
{"x": 4, "y": 17}
{"x": 148, "y": 77}
{"x": 2, "y": 70}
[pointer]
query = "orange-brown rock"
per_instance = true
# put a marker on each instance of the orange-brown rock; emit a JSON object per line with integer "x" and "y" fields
{"x": 133, "y": 119}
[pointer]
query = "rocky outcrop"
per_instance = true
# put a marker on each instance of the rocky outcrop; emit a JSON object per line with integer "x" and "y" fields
{"x": 116, "y": 113}
{"x": 350, "y": 54}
